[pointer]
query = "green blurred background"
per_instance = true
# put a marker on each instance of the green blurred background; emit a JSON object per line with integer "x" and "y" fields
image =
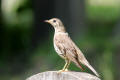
{"x": 26, "y": 45}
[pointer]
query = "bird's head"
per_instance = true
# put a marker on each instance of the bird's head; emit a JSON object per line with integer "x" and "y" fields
{"x": 57, "y": 24}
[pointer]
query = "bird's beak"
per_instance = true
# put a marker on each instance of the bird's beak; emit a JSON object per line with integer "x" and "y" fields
{"x": 47, "y": 21}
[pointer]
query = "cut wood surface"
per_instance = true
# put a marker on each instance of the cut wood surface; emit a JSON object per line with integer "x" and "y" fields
{"x": 70, "y": 75}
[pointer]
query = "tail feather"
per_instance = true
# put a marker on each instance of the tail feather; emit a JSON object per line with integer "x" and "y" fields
{"x": 84, "y": 61}
{"x": 92, "y": 69}
{"x": 79, "y": 65}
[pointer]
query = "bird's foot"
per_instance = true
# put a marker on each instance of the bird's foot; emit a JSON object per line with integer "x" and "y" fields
{"x": 62, "y": 70}
{"x": 66, "y": 69}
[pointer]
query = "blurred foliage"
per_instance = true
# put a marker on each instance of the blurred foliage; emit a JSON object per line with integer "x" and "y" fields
{"x": 102, "y": 19}
{"x": 100, "y": 44}
{"x": 15, "y": 32}
{"x": 103, "y": 14}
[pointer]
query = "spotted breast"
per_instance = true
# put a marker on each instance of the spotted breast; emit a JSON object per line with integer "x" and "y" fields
{"x": 61, "y": 52}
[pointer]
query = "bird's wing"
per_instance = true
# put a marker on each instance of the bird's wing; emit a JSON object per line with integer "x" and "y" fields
{"x": 66, "y": 46}
{"x": 64, "y": 43}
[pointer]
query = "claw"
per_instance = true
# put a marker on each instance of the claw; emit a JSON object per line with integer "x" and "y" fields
{"x": 66, "y": 69}
{"x": 62, "y": 71}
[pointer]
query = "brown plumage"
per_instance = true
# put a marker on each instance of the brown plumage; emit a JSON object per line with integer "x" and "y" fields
{"x": 66, "y": 48}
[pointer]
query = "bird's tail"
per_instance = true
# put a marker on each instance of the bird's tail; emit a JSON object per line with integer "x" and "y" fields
{"x": 84, "y": 61}
{"x": 91, "y": 68}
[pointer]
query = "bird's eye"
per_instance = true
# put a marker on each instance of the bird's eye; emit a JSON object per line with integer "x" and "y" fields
{"x": 54, "y": 21}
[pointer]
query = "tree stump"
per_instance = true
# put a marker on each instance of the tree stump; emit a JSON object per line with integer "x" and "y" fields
{"x": 70, "y": 75}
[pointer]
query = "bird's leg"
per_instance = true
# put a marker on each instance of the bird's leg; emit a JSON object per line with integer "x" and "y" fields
{"x": 65, "y": 68}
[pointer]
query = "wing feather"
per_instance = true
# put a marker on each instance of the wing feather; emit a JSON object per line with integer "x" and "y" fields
{"x": 64, "y": 43}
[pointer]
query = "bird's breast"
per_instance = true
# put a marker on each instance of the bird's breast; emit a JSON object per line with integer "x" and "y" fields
{"x": 57, "y": 47}
{"x": 59, "y": 52}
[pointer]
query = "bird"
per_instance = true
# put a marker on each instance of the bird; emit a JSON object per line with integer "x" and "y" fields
{"x": 66, "y": 48}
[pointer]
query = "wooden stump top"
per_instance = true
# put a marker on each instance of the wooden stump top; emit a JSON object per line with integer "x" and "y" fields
{"x": 70, "y": 75}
